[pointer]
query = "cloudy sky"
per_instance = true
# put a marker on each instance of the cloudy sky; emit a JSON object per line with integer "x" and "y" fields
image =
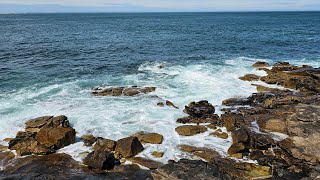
{"x": 156, "y": 5}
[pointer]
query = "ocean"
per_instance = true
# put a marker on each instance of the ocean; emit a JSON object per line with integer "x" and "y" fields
{"x": 49, "y": 64}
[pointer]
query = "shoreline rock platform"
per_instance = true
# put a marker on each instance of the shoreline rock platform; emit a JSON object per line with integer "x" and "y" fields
{"x": 277, "y": 129}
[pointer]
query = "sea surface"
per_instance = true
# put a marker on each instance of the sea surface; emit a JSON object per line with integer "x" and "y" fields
{"x": 49, "y": 64}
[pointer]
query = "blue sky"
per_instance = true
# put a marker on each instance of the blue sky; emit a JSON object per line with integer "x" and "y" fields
{"x": 16, "y": 6}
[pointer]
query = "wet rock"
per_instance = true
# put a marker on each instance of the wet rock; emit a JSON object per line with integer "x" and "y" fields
{"x": 146, "y": 162}
{"x": 185, "y": 169}
{"x": 242, "y": 169}
{"x": 157, "y": 154}
{"x": 128, "y": 147}
{"x": 189, "y": 130}
{"x": 229, "y": 120}
{"x": 104, "y": 145}
{"x": 153, "y": 138}
{"x": 236, "y": 148}
{"x": 250, "y": 77}
{"x": 34, "y": 125}
{"x": 202, "y": 152}
{"x": 211, "y": 126}
{"x": 260, "y": 64}
{"x": 261, "y": 88}
{"x": 240, "y": 136}
{"x": 236, "y": 102}
{"x": 123, "y": 91}
{"x": 100, "y": 160}
{"x": 221, "y": 135}
{"x": 3, "y": 148}
{"x": 213, "y": 119}
{"x": 7, "y": 139}
{"x": 161, "y": 104}
{"x": 169, "y": 103}
{"x": 56, "y": 137}
{"x": 199, "y": 109}
{"x": 88, "y": 139}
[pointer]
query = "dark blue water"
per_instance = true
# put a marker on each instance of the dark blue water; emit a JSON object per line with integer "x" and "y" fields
{"x": 42, "y": 48}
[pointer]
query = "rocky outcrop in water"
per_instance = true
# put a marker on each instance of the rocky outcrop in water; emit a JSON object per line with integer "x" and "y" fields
{"x": 43, "y": 135}
{"x": 123, "y": 91}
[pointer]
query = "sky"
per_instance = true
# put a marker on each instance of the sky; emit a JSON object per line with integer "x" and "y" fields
{"x": 23, "y": 6}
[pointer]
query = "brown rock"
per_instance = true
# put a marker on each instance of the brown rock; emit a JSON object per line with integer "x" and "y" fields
{"x": 202, "y": 152}
{"x": 169, "y": 103}
{"x": 56, "y": 137}
{"x": 261, "y": 88}
{"x": 157, "y": 154}
{"x": 119, "y": 91}
{"x": 88, "y": 139}
{"x": 213, "y": 119}
{"x": 199, "y": 109}
{"x": 100, "y": 160}
{"x": 277, "y": 125}
{"x": 104, "y": 145}
{"x": 153, "y": 138}
{"x": 240, "y": 136}
{"x": 3, "y": 148}
{"x": 128, "y": 147}
{"x": 221, "y": 135}
{"x": 250, "y": 77}
{"x": 260, "y": 64}
{"x": 236, "y": 148}
{"x": 161, "y": 104}
{"x": 146, "y": 162}
{"x": 189, "y": 130}
{"x": 7, "y": 139}
{"x": 34, "y": 125}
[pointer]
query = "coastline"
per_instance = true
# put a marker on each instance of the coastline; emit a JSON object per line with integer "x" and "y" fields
{"x": 265, "y": 109}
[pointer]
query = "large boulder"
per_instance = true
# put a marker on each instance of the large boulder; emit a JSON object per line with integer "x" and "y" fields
{"x": 58, "y": 137}
{"x": 100, "y": 160}
{"x": 35, "y": 125}
{"x": 128, "y": 147}
{"x": 189, "y": 130}
{"x": 153, "y": 138}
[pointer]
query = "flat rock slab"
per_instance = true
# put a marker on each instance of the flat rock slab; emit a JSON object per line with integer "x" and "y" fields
{"x": 123, "y": 91}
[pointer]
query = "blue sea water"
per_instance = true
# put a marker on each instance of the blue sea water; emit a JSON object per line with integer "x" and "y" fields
{"x": 49, "y": 64}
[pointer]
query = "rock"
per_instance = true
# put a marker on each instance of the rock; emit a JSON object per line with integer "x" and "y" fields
{"x": 100, "y": 160}
{"x": 236, "y": 101}
{"x": 199, "y": 109}
{"x": 7, "y": 139}
{"x": 236, "y": 148}
{"x": 222, "y": 135}
{"x": 104, "y": 145}
{"x": 24, "y": 146}
{"x": 250, "y": 77}
{"x": 3, "y": 148}
{"x": 211, "y": 126}
{"x": 261, "y": 88}
{"x": 161, "y": 104}
{"x": 276, "y": 125}
{"x": 202, "y": 152}
{"x": 153, "y": 138}
{"x": 88, "y": 139}
{"x": 157, "y": 154}
{"x": 229, "y": 120}
{"x": 213, "y": 119}
{"x": 123, "y": 91}
{"x": 128, "y": 147}
{"x": 189, "y": 169}
{"x": 56, "y": 137}
{"x": 189, "y": 130}
{"x": 237, "y": 155}
{"x": 146, "y": 162}
{"x": 243, "y": 170}
{"x": 34, "y": 125}
{"x": 240, "y": 136}
{"x": 169, "y": 103}
{"x": 260, "y": 64}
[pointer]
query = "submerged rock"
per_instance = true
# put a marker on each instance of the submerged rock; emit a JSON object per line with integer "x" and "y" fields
{"x": 157, "y": 154}
{"x": 128, "y": 147}
{"x": 123, "y": 91}
{"x": 189, "y": 130}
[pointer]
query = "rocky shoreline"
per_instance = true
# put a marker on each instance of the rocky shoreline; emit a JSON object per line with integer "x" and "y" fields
{"x": 276, "y": 128}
